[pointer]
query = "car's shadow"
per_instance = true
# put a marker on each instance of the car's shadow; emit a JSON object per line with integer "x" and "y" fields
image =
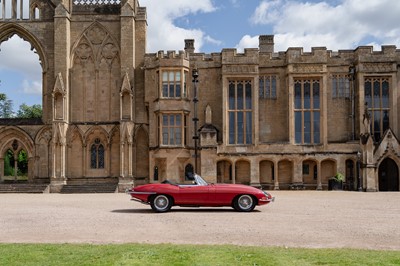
{"x": 178, "y": 209}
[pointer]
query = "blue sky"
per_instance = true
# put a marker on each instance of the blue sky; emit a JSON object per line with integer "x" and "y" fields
{"x": 218, "y": 24}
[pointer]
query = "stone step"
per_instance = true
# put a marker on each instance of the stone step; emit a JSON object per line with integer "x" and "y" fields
{"x": 89, "y": 188}
{"x": 24, "y": 188}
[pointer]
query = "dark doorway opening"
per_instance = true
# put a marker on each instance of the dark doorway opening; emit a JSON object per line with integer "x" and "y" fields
{"x": 388, "y": 176}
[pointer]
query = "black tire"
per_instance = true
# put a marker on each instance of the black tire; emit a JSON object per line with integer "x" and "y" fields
{"x": 161, "y": 203}
{"x": 244, "y": 203}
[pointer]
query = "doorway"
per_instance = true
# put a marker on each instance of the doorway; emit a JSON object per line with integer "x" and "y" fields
{"x": 388, "y": 175}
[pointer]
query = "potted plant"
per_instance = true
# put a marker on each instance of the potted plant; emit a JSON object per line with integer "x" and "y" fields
{"x": 336, "y": 182}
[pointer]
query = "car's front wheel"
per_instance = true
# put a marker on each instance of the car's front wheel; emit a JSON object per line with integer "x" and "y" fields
{"x": 244, "y": 203}
{"x": 161, "y": 203}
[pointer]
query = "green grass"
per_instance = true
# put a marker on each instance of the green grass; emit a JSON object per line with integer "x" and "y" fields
{"x": 168, "y": 254}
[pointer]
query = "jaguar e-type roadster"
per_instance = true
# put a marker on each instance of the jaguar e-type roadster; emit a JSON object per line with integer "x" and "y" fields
{"x": 162, "y": 196}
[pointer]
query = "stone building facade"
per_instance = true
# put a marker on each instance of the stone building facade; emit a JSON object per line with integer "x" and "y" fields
{"x": 114, "y": 113}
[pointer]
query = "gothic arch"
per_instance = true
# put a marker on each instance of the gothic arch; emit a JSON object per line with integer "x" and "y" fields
{"x": 115, "y": 131}
{"x": 95, "y": 35}
{"x": 141, "y": 128}
{"x": 95, "y": 76}
{"x": 43, "y": 149}
{"x": 10, "y": 134}
{"x": 388, "y": 175}
{"x": 9, "y": 29}
{"x": 73, "y": 132}
{"x": 96, "y": 131}
{"x": 43, "y": 133}
{"x": 33, "y": 9}
{"x": 75, "y": 152}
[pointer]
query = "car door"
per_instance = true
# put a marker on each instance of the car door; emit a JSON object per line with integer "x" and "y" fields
{"x": 193, "y": 195}
{"x": 220, "y": 194}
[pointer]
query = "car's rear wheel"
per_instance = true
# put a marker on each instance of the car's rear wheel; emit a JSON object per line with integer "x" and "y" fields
{"x": 161, "y": 203}
{"x": 244, "y": 203}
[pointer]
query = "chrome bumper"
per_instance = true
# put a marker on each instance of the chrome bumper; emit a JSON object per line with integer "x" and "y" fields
{"x": 268, "y": 200}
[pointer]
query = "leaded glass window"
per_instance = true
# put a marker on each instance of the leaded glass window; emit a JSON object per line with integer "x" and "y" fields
{"x": 307, "y": 111}
{"x": 173, "y": 84}
{"x": 267, "y": 87}
{"x": 97, "y": 155}
{"x": 340, "y": 86}
{"x": 172, "y": 128}
{"x": 240, "y": 112}
{"x": 376, "y": 96}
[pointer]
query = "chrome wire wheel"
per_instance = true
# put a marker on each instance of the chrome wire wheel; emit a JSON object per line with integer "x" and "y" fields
{"x": 161, "y": 203}
{"x": 244, "y": 203}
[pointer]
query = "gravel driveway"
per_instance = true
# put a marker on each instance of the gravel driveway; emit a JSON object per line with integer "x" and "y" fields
{"x": 313, "y": 219}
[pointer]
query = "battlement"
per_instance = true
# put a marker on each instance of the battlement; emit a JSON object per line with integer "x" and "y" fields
{"x": 293, "y": 55}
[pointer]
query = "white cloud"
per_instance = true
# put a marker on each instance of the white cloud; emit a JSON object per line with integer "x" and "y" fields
{"x": 267, "y": 12}
{"x": 211, "y": 40}
{"x": 16, "y": 55}
{"x": 344, "y": 24}
{"x": 32, "y": 87}
{"x": 247, "y": 41}
{"x": 163, "y": 34}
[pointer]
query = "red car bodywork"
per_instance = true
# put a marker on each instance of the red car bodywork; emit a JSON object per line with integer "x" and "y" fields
{"x": 201, "y": 194}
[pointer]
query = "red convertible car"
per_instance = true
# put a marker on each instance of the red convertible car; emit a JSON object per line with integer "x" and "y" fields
{"x": 162, "y": 196}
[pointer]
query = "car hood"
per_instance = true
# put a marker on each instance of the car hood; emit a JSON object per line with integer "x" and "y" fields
{"x": 236, "y": 187}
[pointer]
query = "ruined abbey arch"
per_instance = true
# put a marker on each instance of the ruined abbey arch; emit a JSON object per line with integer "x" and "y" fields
{"x": 38, "y": 44}
{"x": 90, "y": 67}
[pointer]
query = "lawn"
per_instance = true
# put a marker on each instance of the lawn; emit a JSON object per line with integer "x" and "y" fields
{"x": 168, "y": 254}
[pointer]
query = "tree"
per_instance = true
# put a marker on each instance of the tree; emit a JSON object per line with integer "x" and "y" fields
{"x": 6, "y": 106}
{"x": 25, "y": 111}
{"x": 22, "y": 163}
{"x": 8, "y": 163}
